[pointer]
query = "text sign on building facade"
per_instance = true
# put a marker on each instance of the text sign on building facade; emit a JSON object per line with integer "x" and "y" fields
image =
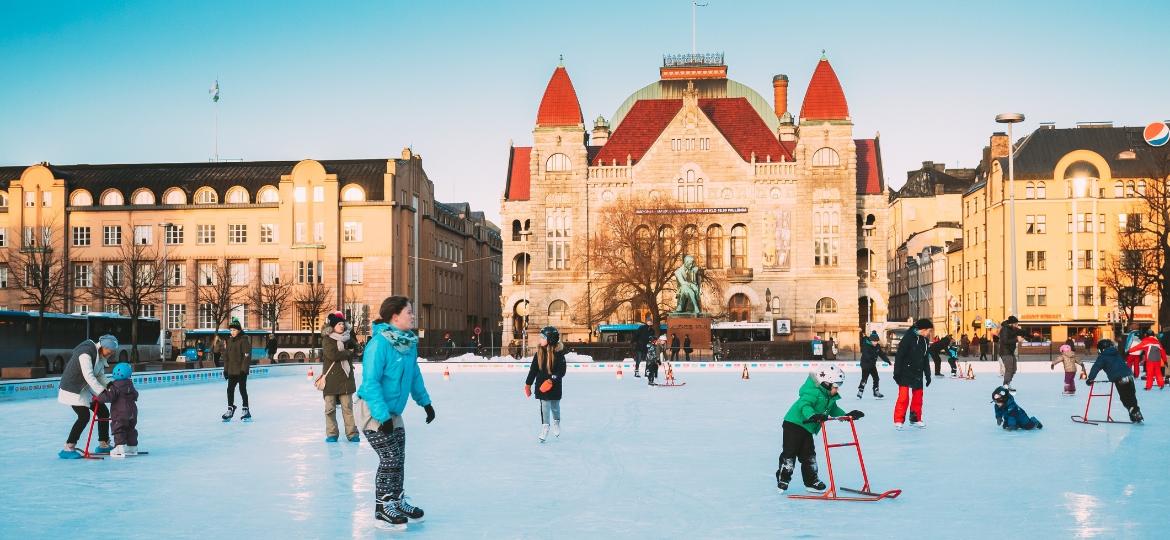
{"x": 673, "y": 211}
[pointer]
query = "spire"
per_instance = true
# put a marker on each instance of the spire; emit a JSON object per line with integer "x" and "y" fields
{"x": 824, "y": 99}
{"x": 559, "y": 106}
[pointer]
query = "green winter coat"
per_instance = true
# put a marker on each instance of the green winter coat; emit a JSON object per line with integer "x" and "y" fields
{"x": 813, "y": 399}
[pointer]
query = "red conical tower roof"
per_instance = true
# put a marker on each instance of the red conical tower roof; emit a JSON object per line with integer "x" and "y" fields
{"x": 559, "y": 106}
{"x": 824, "y": 99}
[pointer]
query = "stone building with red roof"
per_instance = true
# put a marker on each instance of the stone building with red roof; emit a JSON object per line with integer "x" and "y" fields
{"x": 789, "y": 203}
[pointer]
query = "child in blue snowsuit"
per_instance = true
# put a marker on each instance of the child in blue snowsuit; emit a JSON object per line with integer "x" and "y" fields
{"x": 1010, "y": 415}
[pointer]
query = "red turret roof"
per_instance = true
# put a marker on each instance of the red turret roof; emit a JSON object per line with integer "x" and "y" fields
{"x": 518, "y": 173}
{"x": 735, "y": 118}
{"x": 559, "y": 106}
{"x": 869, "y": 167}
{"x": 824, "y": 99}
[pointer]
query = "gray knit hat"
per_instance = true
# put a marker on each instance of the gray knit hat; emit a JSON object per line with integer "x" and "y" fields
{"x": 108, "y": 342}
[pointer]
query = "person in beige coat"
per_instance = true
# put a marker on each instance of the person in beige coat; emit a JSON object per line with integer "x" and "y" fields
{"x": 337, "y": 346}
{"x": 1070, "y": 361}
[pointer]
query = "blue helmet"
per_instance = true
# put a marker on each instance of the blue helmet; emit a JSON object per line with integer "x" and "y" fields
{"x": 122, "y": 371}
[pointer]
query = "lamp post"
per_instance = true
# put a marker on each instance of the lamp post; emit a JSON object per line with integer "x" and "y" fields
{"x": 164, "y": 342}
{"x": 1009, "y": 119}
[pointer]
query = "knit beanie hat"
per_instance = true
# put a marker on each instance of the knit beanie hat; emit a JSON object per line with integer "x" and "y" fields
{"x": 335, "y": 318}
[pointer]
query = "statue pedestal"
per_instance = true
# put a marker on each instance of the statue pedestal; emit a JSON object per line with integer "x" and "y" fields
{"x": 698, "y": 327}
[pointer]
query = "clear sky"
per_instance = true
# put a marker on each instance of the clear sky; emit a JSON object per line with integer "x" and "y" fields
{"x": 126, "y": 81}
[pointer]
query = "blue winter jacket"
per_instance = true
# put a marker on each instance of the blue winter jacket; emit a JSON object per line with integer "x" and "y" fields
{"x": 389, "y": 376}
{"x": 1115, "y": 367}
{"x": 1012, "y": 416}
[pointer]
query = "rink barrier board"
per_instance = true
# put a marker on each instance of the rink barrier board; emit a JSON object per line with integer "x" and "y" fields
{"x": 47, "y": 387}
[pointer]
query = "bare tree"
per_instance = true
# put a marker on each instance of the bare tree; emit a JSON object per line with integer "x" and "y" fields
{"x": 137, "y": 282}
{"x": 39, "y": 271}
{"x": 633, "y": 255}
{"x": 271, "y": 295}
{"x": 216, "y": 293}
{"x": 1154, "y": 192}
{"x": 311, "y": 299}
{"x": 1132, "y": 273}
{"x": 356, "y": 311}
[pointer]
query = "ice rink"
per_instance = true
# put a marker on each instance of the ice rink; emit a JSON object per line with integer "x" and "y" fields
{"x": 632, "y": 462}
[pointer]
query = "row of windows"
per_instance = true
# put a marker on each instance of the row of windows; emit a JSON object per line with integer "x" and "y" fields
{"x": 209, "y": 273}
{"x": 688, "y": 144}
{"x": 203, "y": 195}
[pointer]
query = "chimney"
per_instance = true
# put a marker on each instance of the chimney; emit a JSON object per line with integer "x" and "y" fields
{"x": 940, "y": 167}
{"x": 927, "y": 165}
{"x": 600, "y": 131}
{"x": 999, "y": 145}
{"x": 780, "y": 94}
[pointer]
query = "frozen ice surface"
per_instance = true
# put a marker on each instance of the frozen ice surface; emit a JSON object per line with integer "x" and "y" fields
{"x": 632, "y": 462}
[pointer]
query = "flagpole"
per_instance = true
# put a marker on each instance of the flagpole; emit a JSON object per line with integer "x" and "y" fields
{"x": 216, "y": 107}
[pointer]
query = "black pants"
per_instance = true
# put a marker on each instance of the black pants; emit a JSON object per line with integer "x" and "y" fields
{"x": 798, "y": 444}
{"x": 233, "y": 380}
{"x": 391, "y": 450}
{"x": 937, "y": 363}
{"x": 639, "y": 357}
{"x": 1126, "y": 390}
{"x": 867, "y": 371}
{"x": 982, "y": 356}
{"x": 651, "y": 370}
{"x": 103, "y": 413}
{"x": 951, "y": 361}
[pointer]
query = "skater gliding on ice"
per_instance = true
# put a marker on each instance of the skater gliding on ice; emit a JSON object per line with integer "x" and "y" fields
{"x": 816, "y": 403}
{"x": 655, "y": 355}
{"x": 237, "y": 363}
{"x": 1070, "y": 361}
{"x": 83, "y": 378}
{"x": 547, "y": 369}
{"x": 911, "y": 367}
{"x": 1009, "y": 414}
{"x": 1010, "y": 337}
{"x": 1118, "y": 372}
{"x": 871, "y": 350}
{"x": 1149, "y": 349}
{"x": 390, "y": 375}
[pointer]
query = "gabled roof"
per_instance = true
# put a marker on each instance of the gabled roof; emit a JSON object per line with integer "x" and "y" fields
{"x": 824, "y": 99}
{"x": 559, "y": 106}
{"x": 869, "y": 167}
{"x": 1037, "y": 155}
{"x": 924, "y": 183}
{"x": 517, "y": 188}
{"x": 8, "y": 174}
{"x": 735, "y": 118}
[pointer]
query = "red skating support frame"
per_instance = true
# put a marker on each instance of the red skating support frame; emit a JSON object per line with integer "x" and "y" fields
{"x": 865, "y": 494}
{"x": 1084, "y": 419}
{"x": 93, "y": 419}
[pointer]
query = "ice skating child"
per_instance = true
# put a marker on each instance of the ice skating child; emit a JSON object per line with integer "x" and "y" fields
{"x": 1070, "y": 361}
{"x": 952, "y": 358}
{"x": 1118, "y": 372}
{"x": 816, "y": 403}
{"x": 871, "y": 350}
{"x": 655, "y": 355}
{"x": 83, "y": 378}
{"x": 122, "y": 397}
{"x": 546, "y": 371}
{"x": 235, "y": 369}
{"x": 1154, "y": 358}
{"x": 936, "y": 350}
{"x": 1010, "y": 415}
{"x": 910, "y": 368}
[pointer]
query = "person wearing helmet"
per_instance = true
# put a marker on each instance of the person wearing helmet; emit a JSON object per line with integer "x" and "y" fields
{"x": 1010, "y": 415}
{"x": 911, "y": 367}
{"x": 1118, "y": 372}
{"x": 816, "y": 403}
{"x": 871, "y": 350}
{"x": 121, "y": 395}
{"x": 83, "y": 378}
{"x": 546, "y": 372}
{"x": 1070, "y": 361}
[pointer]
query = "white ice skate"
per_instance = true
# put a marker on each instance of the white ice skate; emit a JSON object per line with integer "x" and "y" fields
{"x": 556, "y": 428}
{"x": 543, "y": 432}
{"x": 122, "y": 451}
{"x": 899, "y": 426}
{"x": 918, "y": 424}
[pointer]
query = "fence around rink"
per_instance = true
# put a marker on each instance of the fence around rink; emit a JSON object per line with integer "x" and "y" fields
{"x": 47, "y": 387}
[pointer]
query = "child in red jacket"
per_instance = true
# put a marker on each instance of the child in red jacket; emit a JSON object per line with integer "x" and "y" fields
{"x": 1150, "y": 349}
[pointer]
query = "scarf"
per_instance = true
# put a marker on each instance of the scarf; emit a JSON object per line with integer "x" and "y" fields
{"x": 402, "y": 340}
{"x": 341, "y": 339}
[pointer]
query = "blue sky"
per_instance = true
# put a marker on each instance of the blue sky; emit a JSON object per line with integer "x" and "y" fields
{"x": 111, "y": 82}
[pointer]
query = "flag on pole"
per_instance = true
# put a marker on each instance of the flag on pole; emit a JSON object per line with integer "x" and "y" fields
{"x": 214, "y": 91}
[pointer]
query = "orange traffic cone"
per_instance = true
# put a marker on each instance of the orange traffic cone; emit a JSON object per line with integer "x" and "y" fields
{"x": 745, "y": 375}
{"x": 970, "y": 371}
{"x": 619, "y": 372}
{"x": 446, "y": 373}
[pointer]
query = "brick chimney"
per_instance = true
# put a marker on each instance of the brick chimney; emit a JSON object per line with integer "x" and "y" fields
{"x": 780, "y": 94}
{"x": 999, "y": 145}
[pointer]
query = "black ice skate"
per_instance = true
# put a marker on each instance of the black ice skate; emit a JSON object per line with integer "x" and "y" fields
{"x": 1135, "y": 415}
{"x": 387, "y": 516}
{"x": 227, "y": 416}
{"x": 859, "y": 392}
{"x": 413, "y": 513}
{"x": 247, "y": 417}
{"x": 877, "y": 395}
{"x": 816, "y": 487}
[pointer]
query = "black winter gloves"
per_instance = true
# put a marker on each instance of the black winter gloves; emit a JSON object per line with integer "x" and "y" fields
{"x": 1089, "y": 382}
{"x": 855, "y": 414}
{"x": 817, "y": 418}
{"x": 430, "y": 413}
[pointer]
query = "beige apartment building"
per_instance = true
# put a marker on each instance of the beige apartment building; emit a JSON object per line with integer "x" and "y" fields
{"x": 366, "y": 228}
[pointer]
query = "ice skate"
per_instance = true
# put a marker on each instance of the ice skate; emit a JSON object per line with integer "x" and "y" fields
{"x": 877, "y": 395}
{"x": 816, "y": 487}
{"x": 781, "y": 485}
{"x": 388, "y": 517}
{"x": 543, "y": 432}
{"x": 247, "y": 417}
{"x": 1135, "y": 415}
{"x": 918, "y": 424}
{"x": 859, "y": 392}
{"x": 556, "y": 428}
{"x": 899, "y": 426}
{"x": 231, "y": 411}
{"x": 412, "y": 513}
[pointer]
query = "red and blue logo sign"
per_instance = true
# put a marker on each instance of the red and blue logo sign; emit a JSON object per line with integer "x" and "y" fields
{"x": 1157, "y": 134}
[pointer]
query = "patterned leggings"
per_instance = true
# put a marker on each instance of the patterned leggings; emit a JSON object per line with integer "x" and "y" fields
{"x": 391, "y": 450}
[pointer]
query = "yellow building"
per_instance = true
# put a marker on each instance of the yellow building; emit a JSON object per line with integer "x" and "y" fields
{"x": 1074, "y": 189}
{"x": 366, "y": 228}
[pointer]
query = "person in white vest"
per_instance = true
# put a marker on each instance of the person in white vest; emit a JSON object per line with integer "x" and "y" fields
{"x": 83, "y": 378}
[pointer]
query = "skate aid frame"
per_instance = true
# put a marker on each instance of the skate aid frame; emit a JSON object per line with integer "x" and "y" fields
{"x": 861, "y": 495}
{"x": 93, "y": 419}
{"x": 1084, "y": 419}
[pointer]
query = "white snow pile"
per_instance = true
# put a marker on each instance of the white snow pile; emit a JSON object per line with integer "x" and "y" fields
{"x": 469, "y": 357}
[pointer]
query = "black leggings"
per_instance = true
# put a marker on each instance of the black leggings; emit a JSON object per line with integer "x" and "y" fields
{"x": 242, "y": 380}
{"x": 1126, "y": 390}
{"x": 103, "y": 413}
{"x": 867, "y": 371}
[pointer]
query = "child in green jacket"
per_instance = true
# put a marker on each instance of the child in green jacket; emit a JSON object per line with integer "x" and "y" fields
{"x": 817, "y": 403}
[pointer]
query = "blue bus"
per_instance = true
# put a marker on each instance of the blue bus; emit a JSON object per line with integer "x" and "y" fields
{"x": 258, "y": 339}
{"x": 622, "y": 333}
{"x": 63, "y": 332}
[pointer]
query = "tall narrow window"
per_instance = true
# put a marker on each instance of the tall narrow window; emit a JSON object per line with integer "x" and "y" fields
{"x": 715, "y": 247}
{"x": 559, "y": 223}
{"x": 826, "y": 234}
{"x": 739, "y": 246}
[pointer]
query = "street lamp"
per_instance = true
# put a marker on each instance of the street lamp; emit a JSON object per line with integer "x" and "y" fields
{"x": 166, "y": 277}
{"x": 1009, "y": 119}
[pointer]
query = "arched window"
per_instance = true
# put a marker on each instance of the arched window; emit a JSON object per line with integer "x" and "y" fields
{"x": 515, "y": 230}
{"x": 643, "y": 237}
{"x": 666, "y": 237}
{"x": 268, "y": 195}
{"x": 520, "y": 264}
{"x": 1118, "y": 190}
{"x": 80, "y": 197}
{"x": 143, "y": 197}
{"x": 558, "y": 163}
{"x": 237, "y": 195}
{"x": 690, "y": 235}
{"x": 826, "y": 157}
{"x": 776, "y": 305}
{"x": 1041, "y": 190}
{"x": 1129, "y": 189}
{"x": 739, "y": 308}
{"x": 1141, "y": 188}
{"x": 690, "y": 188}
{"x": 558, "y": 309}
{"x": 715, "y": 247}
{"x": 112, "y": 197}
{"x": 1030, "y": 191}
{"x": 206, "y": 195}
{"x": 739, "y": 246}
{"x": 353, "y": 193}
{"x": 174, "y": 196}
{"x": 826, "y": 305}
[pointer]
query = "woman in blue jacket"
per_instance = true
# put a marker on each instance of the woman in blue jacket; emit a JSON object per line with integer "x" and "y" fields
{"x": 390, "y": 374}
